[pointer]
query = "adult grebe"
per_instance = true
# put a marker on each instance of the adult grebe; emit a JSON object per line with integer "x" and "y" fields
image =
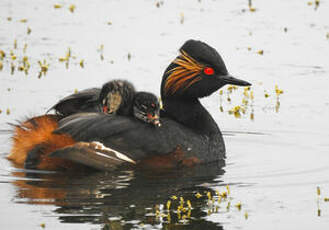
{"x": 188, "y": 134}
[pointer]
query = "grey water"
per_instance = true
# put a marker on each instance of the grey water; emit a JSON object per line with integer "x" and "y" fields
{"x": 277, "y": 151}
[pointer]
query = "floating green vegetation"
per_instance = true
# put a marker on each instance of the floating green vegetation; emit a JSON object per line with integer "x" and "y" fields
{"x": 12, "y": 68}
{"x": 180, "y": 209}
{"x": 12, "y": 55}
{"x": 182, "y": 18}
{"x": 29, "y": 30}
{"x": 246, "y": 105}
{"x": 246, "y": 102}
{"x": 251, "y": 8}
{"x": 71, "y": 7}
{"x": 44, "y": 66}
{"x": 24, "y": 48}
{"x": 24, "y": 20}
{"x": 260, "y": 52}
{"x": 101, "y": 51}
{"x": 66, "y": 59}
{"x": 15, "y": 44}
{"x": 158, "y": 4}
{"x": 58, "y": 6}
{"x": 318, "y": 200}
{"x": 15, "y": 59}
{"x": 82, "y": 63}
{"x": 24, "y": 65}
{"x": 316, "y": 4}
{"x": 2, "y": 54}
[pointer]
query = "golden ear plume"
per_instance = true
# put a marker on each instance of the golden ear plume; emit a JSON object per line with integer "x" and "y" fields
{"x": 184, "y": 75}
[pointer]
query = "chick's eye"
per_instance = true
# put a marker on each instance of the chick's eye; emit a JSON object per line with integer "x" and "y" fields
{"x": 208, "y": 71}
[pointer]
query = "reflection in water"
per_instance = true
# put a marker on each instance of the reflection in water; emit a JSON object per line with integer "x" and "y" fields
{"x": 126, "y": 198}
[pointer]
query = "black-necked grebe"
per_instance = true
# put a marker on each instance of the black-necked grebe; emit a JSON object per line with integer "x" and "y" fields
{"x": 188, "y": 134}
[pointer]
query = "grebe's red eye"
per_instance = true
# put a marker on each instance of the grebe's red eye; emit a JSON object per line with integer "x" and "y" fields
{"x": 208, "y": 71}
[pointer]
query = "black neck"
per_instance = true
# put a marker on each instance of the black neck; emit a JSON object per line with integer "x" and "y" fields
{"x": 191, "y": 113}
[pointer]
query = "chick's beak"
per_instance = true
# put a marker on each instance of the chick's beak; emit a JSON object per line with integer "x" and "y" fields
{"x": 105, "y": 109}
{"x": 154, "y": 119}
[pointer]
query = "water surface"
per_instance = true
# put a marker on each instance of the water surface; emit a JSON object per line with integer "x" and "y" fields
{"x": 275, "y": 161}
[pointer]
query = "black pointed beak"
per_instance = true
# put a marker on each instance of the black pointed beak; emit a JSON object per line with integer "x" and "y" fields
{"x": 228, "y": 79}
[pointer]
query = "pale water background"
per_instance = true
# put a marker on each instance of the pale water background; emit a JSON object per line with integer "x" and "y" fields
{"x": 274, "y": 162}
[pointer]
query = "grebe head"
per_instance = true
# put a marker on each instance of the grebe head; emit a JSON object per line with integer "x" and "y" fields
{"x": 146, "y": 108}
{"x": 197, "y": 72}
